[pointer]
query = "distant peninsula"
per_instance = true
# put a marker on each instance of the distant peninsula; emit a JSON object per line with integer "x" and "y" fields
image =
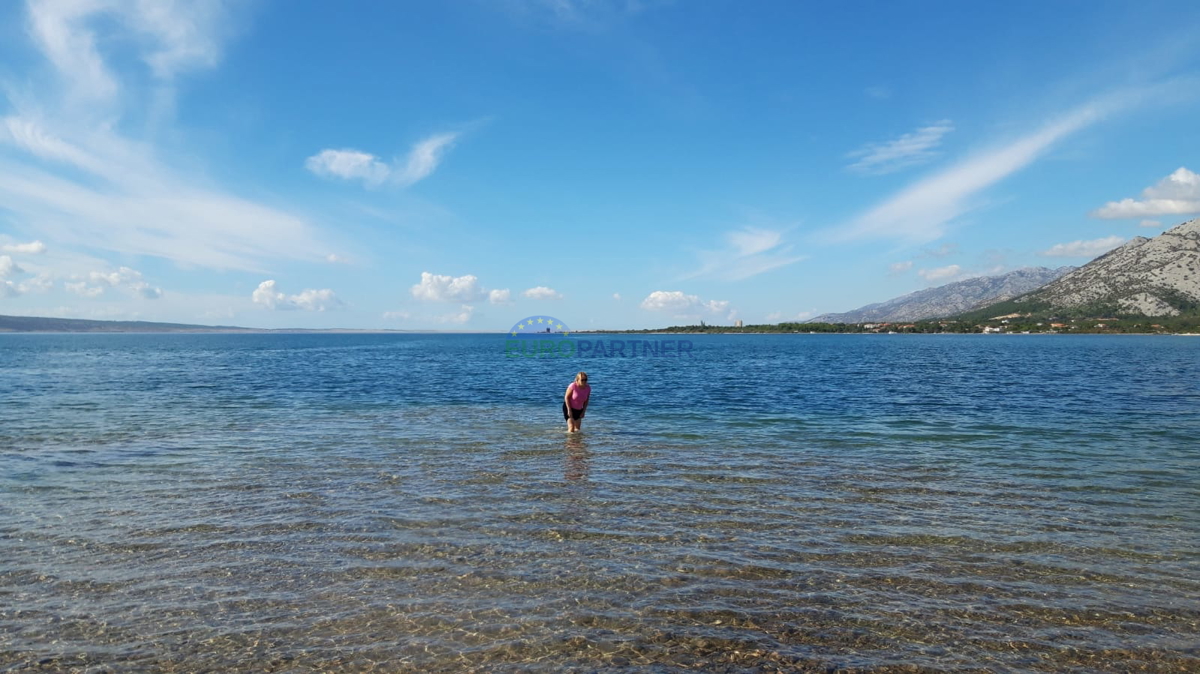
{"x": 54, "y": 325}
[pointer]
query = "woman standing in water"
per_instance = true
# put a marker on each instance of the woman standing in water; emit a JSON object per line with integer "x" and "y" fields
{"x": 575, "y": 401}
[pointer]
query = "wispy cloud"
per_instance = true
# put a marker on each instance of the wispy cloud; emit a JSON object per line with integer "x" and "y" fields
{"x": 897, "y": 268}
{"x": 911, "y": 149}
{"x": 1084, "y": 248}
{"x": 267, "y": 295}
{"x": 919, "y": 213}
{"x": 68, "y": 171}
{"x": 1177, "y": 194}
{"x": 749, "y": 251}
{"x": 349, "y": 164}
{"x": 1150, "y": 223}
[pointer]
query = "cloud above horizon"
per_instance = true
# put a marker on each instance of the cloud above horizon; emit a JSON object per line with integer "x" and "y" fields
{"x": 911, "y": 149}
{"x": 937, "y": 274}
{"x": 542, "y": 293}
{"x": 681, "y": 305}
{"x": 443, "y": 288}
{"x": 919, "y": 213}
{"x": 1177, "y": 194}
{"x": 748, "y": 252}
{"x": 1081, "y": 248}
{"x": 268, "y": 296}
{"x": 350, "y": 164}
{"x": 69, "y": 169}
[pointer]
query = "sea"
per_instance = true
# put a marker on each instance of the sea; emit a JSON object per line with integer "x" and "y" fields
{"x": 753, "y": 503}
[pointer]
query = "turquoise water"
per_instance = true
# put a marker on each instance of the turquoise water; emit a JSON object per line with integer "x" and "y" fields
{"x": 773, "y": 502}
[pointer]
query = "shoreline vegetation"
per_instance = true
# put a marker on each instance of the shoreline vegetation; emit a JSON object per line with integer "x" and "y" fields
{"x": 1014, "y": 323}
{"x": 1005, "y": 324}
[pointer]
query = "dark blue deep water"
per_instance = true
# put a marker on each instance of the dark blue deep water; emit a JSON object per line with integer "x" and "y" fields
{"x": 774, "y": 503}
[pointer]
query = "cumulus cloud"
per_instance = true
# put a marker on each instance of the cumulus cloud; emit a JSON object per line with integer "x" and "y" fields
{"x": 267, "y": 295}
{"x": 940, "y": 273}
{"x": 439, "y": 288}
{"x": 500, "y": 296}
{"x": 459, "y": 317}
{"x": 679, "y": 304}
{"x": 1177, "y": 194}
{"x": 348, "y": 165}
{"x": 128, "y": 280}
{"x": 1089, "y": 249}
{"x": 351, "y": 164}
{"x": 8, "y": 267}
{"x": 749, "y": 251}
{"x": 82, "y": 289}
{"x": 31, "y": 248}
{"x": 911, "y": 149}
{"x": 542, "y": 293}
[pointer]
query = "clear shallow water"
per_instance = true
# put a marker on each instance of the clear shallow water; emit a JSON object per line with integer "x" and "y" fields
{"x": 778, "y": 502}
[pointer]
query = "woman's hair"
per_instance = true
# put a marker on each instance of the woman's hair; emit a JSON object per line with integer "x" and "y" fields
{"x": 582, "y": 374}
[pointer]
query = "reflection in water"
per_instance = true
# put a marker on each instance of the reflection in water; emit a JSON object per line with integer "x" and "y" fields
{"x": 578, "y": 459}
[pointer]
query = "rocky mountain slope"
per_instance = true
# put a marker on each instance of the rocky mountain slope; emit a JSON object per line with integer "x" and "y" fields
{"x": 1152, "y": 277}
{"x": 950, "y": 299}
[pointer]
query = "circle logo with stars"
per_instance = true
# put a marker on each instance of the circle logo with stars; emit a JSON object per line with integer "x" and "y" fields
{"x": 539, "y": 326}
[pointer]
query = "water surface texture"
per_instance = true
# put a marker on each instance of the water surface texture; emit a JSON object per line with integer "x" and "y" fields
{"x": 775, "y": 503}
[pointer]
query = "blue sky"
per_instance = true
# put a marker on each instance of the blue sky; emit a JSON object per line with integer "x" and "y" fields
{"x": 461, "y": 165}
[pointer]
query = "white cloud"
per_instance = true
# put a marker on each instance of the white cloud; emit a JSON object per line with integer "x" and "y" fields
{"x": 350, "y": 164}
{"x": 1089, "y": 249}
{"x": 1177, "y": 194}
{"x": 67, "y": 167}
{"x": 678, "y": 304}
{"x": 940, "y": 273}
{"x": 129, "y": 280}
{"x": 617, "y": 296}
{"x": 919, "y": 213}
{"x": 911, "y": 149}
{"x": 500, "y": 296}
{"x": 424, "y": 158}
{"x": 8, "y": 267}
{"x": 31, "y": 248}
{"x": 459, "y": 317}
{"x": 308, "y": 300}
{"x": 780, "y": 317}
{"x": 82, "y": 289}
{"x": 900, "y": 267}
{"x": 1150, "y": 223}
{"x": 439, "y": 288}
{"x": 334, "y": 258}
{"x": 542, "y": 293}
{"x": 749, "y": 251}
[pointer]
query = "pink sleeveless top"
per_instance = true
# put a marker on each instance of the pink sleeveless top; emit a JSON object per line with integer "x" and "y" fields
{"x": 578, "y": 395}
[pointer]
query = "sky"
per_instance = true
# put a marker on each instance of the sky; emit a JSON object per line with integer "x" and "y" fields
{"x": 626, "y": 164}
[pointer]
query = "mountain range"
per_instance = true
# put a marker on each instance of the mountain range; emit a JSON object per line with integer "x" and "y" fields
{"x": 950, "y": 299}
{"x": 1149, "y": 277}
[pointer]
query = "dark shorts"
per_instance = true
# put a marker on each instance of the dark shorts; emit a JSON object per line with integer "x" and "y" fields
{"x": 574, "y": 413}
